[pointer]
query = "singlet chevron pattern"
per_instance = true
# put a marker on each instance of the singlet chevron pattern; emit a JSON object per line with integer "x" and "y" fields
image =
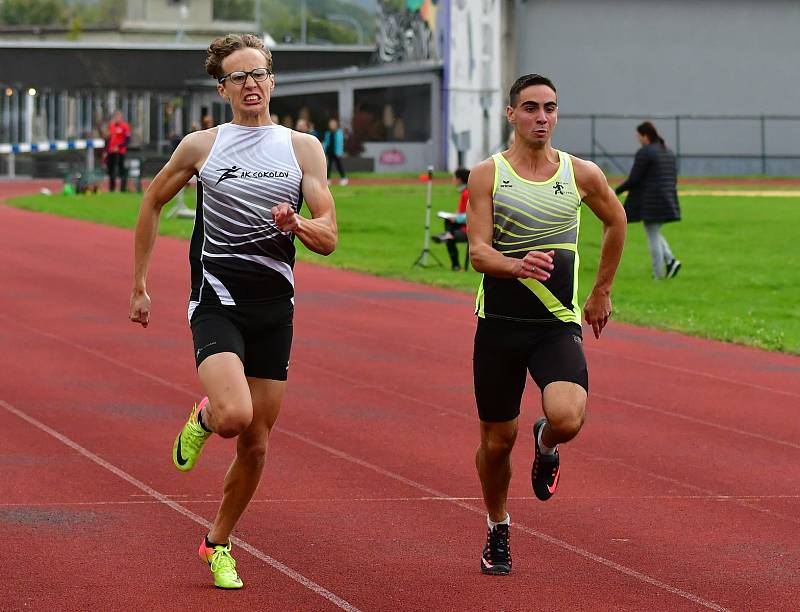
{"x": 530, "y": 215}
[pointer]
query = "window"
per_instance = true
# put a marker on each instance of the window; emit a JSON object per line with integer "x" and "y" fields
{"x": 392, "y": 114}
{"x": 315, "y": 108}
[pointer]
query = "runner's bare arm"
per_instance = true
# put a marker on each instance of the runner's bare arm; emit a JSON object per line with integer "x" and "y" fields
{"x": 319, "y": 233}
{"x": 480, "y": 221}
{"x": 600, "y": 198}
{"x": 168, "y": 182}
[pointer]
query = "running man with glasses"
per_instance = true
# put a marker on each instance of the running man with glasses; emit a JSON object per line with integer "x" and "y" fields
{"x": 253, "y": 176}
{"x": 524, "y": 214}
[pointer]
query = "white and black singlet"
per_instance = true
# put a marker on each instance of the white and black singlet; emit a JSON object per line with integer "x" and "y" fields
{"x": 238, "y": 256}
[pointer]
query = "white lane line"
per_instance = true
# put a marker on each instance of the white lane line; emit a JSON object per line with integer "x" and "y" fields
{"x": 711, "y": 497}
{"x": 725, "y": 379}
{"x": 678, "y": 415}
{"x": 359, "y": 384}
{"x": 538, "y": 534}
{"x": 742, "y": 432}
{"x": 743, "y": 502}
{"x": 656, "y": 364}
{"x": 103, "y": 356}
{"x": 412, "y": 483}
{"x": 274, "y": 563}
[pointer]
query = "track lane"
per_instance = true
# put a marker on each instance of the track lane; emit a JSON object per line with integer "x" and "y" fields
{"x": 348, "y": 412}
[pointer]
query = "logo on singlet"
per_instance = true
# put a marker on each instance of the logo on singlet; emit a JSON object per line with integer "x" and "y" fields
{"x": 237, "y": 172}
{"x": 558, "y": 188}
{"x": 227, "y": 173}
{"x": 505, "y": 183}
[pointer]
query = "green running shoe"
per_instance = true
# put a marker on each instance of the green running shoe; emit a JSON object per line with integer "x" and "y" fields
{"x": 189, "y": 443}
{"x": 222, "y": 565}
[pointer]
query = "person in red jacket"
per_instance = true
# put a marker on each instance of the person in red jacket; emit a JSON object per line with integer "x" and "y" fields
{"x": 455, "y": 226}
{"x": 119, "y": 135}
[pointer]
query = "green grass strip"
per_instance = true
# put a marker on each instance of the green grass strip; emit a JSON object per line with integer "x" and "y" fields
{"x": 739, "y": 281}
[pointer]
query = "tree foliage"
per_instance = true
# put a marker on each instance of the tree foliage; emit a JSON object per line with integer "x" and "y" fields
{"x": 327, "y": 21}
{"x": 59, "y": 12}
{"x": 32, "y": 12}
{"x": 234, "y": 10}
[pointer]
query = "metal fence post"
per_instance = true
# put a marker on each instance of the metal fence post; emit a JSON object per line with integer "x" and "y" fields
{"x": 763, "y": 145}
{"x": 594, "y": 134}
{"x": 678, "y": 142}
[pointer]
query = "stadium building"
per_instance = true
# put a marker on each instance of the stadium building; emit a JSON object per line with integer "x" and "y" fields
{"x": 387, "y": 95}
{"x": 431, "y": 88}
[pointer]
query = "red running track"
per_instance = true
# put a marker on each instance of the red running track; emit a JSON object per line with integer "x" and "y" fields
{"x": 681, "y": 493}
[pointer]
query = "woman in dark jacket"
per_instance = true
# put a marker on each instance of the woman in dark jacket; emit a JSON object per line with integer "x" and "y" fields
{"x": 653, "y": 196}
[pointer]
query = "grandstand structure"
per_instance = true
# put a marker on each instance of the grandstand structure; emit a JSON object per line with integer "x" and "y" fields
{"x": 387, "y": 93}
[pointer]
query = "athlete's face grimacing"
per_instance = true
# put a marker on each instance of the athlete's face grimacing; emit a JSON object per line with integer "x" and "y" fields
{"x": 535, "y": 115}
{"x": 250, "y": 98}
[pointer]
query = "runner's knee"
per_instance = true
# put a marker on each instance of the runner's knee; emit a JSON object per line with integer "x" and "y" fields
{"x": 498, "y": 443}
{"x": 231, "y": 419}
{"x": 567, "y": 422}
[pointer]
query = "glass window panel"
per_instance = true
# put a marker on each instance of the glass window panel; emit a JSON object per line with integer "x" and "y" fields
{"x": 392, "y": 114}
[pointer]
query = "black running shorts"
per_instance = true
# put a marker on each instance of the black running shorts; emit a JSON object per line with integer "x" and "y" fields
{"x": 260, "y": 334}
{"x": 505, "y": 351}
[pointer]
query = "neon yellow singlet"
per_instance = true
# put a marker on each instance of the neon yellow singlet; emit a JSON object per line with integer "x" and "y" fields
{"x": 534, "y": 216}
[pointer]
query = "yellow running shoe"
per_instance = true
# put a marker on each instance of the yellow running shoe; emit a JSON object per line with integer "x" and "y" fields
{"x": 189, "y": 443}
{"x": 222, "y": 565}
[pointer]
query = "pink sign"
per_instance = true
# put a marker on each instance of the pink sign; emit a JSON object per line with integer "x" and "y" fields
{"x": 392, "y": 156}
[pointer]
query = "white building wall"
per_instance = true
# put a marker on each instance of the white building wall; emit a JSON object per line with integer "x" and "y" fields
{"x": 475, "y": 103}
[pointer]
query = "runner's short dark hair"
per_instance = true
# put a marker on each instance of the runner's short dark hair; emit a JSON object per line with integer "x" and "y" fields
{"x": 527, "y": 80}
{"x": 462, "y": 174}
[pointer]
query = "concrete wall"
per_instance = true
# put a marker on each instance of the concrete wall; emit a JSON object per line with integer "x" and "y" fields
{"x": 474, "y": 99}
{"x": 650, "y": 58}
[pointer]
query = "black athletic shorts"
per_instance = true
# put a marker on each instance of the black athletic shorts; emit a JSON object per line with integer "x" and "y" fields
{"x": 506, "y": 350}
{"x": 260, "y": 334}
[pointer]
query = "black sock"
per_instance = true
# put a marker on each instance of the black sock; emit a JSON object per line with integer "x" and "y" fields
{"x": 200, "y": 420}
{"x": 210, "y": 544}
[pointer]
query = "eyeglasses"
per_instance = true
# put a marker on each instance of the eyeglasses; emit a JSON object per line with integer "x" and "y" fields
{"x": 239, "y": 77}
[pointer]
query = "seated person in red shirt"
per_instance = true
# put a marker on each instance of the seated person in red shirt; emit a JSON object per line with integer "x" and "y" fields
{"x": 455, "y": 225}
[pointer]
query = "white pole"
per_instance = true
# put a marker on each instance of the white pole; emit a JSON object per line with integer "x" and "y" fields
{"x": 29, "y": 115}
{"x": 422, "y": 260}
{"x": 303, "y": 19}
{"x": 426, "y": 241}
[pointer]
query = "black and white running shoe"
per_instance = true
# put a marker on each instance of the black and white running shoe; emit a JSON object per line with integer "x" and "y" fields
{"x": 496, "y": 558}
{"x": 545, "y": 470}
